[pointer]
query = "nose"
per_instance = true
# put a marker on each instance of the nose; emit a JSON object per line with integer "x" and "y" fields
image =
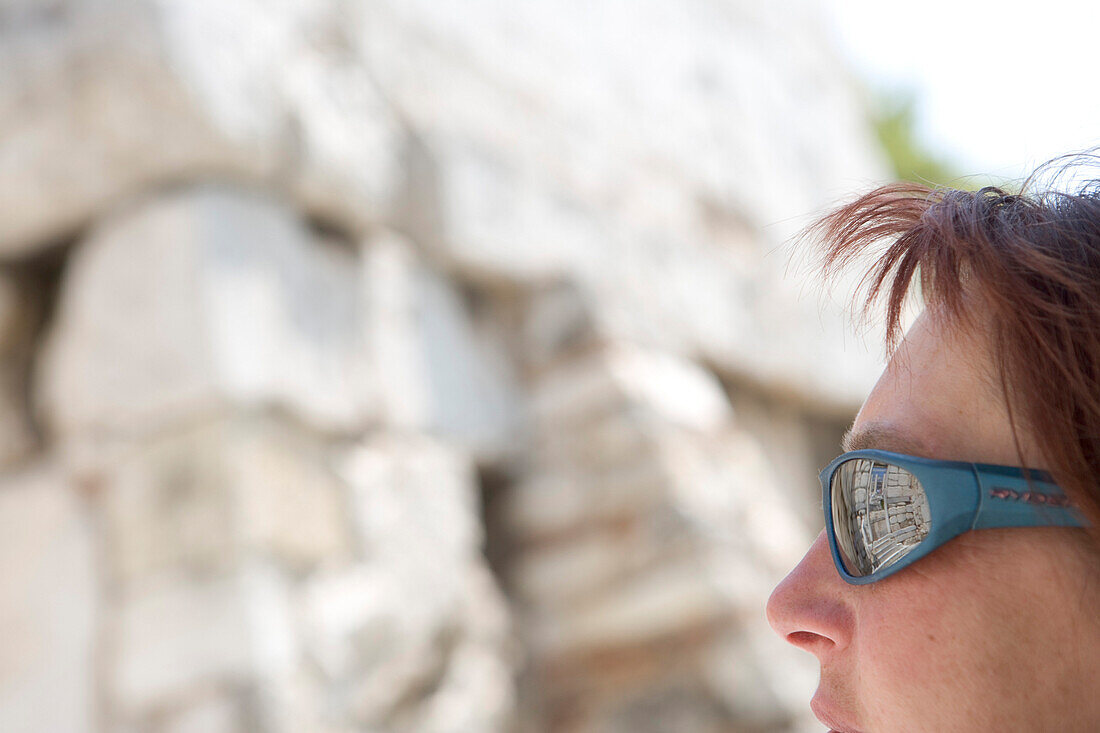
{"x": 811, "y": 608}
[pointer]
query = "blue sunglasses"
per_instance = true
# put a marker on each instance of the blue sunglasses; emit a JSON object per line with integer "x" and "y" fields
{"x": 884, "y": 511}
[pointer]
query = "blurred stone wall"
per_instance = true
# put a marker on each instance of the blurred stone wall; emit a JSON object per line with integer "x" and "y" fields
{"x": 425, "y": 366}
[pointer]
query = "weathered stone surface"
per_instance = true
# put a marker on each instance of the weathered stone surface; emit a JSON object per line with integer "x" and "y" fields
{"x": 723, "y": 484}
{"x": 215, "y": 296}
{"x": 561, "y": 573}
{"x": 568, "y": 100}
{"x": 706, "y": 535}
{"x": 205, "y": 498}
{"x": 415, "y": 637}
{"x": 101, "y": 99}
{"x": 176, "y": 635}
{"x": 671, "y": 597}
{"x": 667, "y": 388}
{"x": 662, "y": 182}
{"x": 400, "y": 667}
{"x": 411, "y": 491}
{"x": 760, "y": 679}
{"x": 273, "y": 389}
{"x": 185, "y": 301}
{"x": 242, "y": 598}
{"x": 662, "y": 189}
{"x": 597, "y": 418}
{"x": 797, "y": 442}
{"x": 48, "y": 605}
{"x": 434, "y": 369}
{"x": 212, "y": 714}
{"x": 652, "y": 526}
{"x": 172, "y": 637}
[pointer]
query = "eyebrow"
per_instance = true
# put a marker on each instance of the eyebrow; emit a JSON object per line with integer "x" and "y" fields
{"x": 882, "y": 437}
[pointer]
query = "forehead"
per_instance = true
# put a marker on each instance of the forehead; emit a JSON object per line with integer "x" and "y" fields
{"x": 936, "y": 398}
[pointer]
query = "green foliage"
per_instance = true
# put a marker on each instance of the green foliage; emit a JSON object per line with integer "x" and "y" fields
{"x": 894, "y": 118}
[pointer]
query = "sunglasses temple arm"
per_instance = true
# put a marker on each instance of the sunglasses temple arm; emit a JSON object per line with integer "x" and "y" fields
{"x": 1015, "y": 501}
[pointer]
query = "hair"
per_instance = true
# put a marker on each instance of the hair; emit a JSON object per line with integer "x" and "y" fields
{"x": 1025, "y": 268}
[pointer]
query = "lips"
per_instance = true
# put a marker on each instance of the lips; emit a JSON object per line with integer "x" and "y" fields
{"x": 829, "y": 715}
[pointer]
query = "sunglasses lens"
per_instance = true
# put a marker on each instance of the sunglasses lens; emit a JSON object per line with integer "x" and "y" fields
{"x": 880, "y": 514}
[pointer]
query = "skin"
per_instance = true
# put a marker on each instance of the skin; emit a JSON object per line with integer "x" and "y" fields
{"x": 995, "y": 631}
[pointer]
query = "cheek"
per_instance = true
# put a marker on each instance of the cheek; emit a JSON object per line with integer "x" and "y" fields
{"x": 946, "y": 647}
{"x": 913, "y": 662}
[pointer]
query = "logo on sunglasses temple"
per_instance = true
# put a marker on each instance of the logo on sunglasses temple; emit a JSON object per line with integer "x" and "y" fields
{"x": 1029, "y": 497}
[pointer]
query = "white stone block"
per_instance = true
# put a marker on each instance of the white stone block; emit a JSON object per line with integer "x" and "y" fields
{"x": 598, "y": 444}
{"x": 553, "y": 156}
{"x": 760, "y": 677}
{"x": 476, "y": 693}
{"x": 652, "y": 385}
{"x": 206, "y": 498}
{"x": 212, "y": 714}
{"x": 723, "y": 484}
{"x": 514, "y": 146}
{"x": 673, "y": 598}
{"x": 213, "y": 297}
{"x": 197, "y": 298}
{"x": 49, "y": 605}
{"x": 434, "y": 369}
{"x": 413, "y": 498}
{"x": 558, "y": 574}
{"x": 575, "y": 393}
{"x": 391, "y": 629}
{"x": 108, "y": 98}
{"x": 559, "y": 501}
{"x": 176, "y": 635}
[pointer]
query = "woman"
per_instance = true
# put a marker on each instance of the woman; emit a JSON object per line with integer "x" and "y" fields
{"x": 936, "y": 600}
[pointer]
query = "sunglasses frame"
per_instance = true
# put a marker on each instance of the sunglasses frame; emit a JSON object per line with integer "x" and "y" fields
{"x": 961, "y": 497}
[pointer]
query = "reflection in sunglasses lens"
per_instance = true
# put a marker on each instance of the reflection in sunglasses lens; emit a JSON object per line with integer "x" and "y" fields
{"x": 880, "y": 513}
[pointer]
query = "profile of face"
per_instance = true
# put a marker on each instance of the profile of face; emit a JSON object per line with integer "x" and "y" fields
{"x": 997, "y": 630}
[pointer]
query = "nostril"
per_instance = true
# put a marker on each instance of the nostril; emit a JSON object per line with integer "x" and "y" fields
{"x": 802, "y": 638}
{"x": 811, "y": 642}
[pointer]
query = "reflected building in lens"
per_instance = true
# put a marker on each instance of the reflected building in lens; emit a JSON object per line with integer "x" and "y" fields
{"x": 887, "y": 514}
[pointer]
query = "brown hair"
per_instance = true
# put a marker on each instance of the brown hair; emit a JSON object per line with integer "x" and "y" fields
{"x": 1025, "y": 266}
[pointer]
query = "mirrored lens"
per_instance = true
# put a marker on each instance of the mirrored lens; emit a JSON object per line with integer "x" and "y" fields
{"x": 880, "y": 513}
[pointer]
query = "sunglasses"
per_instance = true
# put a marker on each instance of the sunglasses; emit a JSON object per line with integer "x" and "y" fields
{"x": 884, "y": 511}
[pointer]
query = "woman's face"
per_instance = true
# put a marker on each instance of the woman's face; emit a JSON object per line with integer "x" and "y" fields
{"x": 997, "y": 630}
